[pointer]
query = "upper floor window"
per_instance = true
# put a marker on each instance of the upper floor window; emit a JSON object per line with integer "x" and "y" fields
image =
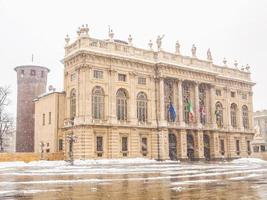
{"x": 234, "y": 115}
{"x": 98, "y": 74}
{"x": 122, "y": 77}
{"x": 42, "y": 74}
{"x": 245, "y": 117}
{"x": 72, "y": 103}
{"x": 121, "y": 97}
{"x": 141, "y": 80}
{"x": 142, "y": 107}
{"x": 73, "y": 77}
{"x": 98, "y": 103}
{"x": 232, "y": 94}
{"x": 22, "y": 72}
{"x": 218, "y": 92}
{"x": 33, "y": 72}
{"x": 219, "y": 114}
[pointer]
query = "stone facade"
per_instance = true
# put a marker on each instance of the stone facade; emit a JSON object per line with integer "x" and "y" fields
{"x": 130, "y": 102}
{"x": 31, "y": 82}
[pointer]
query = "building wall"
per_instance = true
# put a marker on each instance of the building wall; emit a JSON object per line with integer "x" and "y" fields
{"x": 46, "y": 132}
{"x": 31, "y": 82}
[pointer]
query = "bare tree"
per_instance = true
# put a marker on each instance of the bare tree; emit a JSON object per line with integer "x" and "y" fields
{"x": 6, "y": 121}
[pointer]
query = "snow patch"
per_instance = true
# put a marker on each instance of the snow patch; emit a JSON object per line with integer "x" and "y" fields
{"x": 249, "y": 160}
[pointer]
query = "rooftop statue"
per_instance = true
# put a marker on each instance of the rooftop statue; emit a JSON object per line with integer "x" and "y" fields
{"x": 177, "y": 47}
{"x": 209, "y": 57}
{"x": 194, "y": 51}
{"x": 159, "y": 41}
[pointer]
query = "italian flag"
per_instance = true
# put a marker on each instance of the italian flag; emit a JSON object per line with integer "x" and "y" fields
{"x": 190, "y": 111}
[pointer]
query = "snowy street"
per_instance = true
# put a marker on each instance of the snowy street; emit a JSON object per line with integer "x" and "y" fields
{"x": 134, "y": 179}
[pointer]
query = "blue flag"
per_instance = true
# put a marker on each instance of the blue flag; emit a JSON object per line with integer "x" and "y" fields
{"x": 172, "y": 112}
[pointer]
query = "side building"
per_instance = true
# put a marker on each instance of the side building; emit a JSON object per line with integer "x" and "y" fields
{"x": 260, "y": 120}
{"x": 122, "y": 101}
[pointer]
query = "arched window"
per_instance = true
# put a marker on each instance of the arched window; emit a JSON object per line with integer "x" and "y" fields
{"x": 72, "y": 103}
{"x": 98, "y": 103}
{"x": 142, "y": 107}
{"x": 219, "y": 114}
{"x": 245, "y": 117}
{"x": 121, "y": 104}
{"x": 234, "y": 115}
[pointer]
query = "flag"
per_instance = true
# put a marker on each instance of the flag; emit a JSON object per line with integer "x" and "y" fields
{"x": 172, "y": 112}
{"x": 190, "y": 110}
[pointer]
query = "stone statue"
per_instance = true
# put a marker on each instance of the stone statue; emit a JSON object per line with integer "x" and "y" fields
{"x": 236, "y": 64}
{"x": 67, "y": 39}
{"x": 177, "y": 47}
{"x": 257, "y": 131}
{"x": 159, "y": 41}
{"x": 110, "y": 34}
{"x": 150, "y": 45}
{"x": 194, "y": 51}
{"x": 224, "y": 61}
{"x": 247, "y": 67}
{"x": 130, "y": 40}
{"x": 209, "y": 57}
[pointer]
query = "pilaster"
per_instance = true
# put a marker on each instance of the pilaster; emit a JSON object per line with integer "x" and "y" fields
{"x": 180, "y": 103}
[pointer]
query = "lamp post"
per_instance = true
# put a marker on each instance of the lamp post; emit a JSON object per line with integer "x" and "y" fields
{"x": 71, "y": 139}
{"x": 42, "y": 150}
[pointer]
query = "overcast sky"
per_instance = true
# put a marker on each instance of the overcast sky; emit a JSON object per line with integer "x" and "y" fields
{"x": 235, "y": 29}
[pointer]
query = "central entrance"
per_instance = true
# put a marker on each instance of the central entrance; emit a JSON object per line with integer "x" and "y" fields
{"x": 172, "y": 146}
{"x": 190, "y": 146}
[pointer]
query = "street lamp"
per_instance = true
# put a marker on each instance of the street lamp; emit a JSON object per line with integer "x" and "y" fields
{"x": 71, "y": 139}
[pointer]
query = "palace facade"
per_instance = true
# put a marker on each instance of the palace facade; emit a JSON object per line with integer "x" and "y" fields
{"x": 122, "y": 101}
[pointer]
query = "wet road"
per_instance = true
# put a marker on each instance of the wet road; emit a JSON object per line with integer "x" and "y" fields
{"x": 134, "y": 179}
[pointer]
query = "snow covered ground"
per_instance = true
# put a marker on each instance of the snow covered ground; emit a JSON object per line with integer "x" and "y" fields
{"x": 134, "y": 179}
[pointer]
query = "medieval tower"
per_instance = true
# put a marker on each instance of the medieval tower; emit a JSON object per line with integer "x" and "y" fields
{"x": 31, "y": 82}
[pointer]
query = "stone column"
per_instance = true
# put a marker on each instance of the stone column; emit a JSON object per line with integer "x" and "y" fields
{"x": 182, "y": 145}
{"x": 197, "y": 116}
{"x": 161, "y": 102}
{"x": 212, "y": 106}
{"x": 199, "y": 147}
{"x": 132, "y": 100}
{"x": 180, "y": 103}
{"x": 214, "y": 145}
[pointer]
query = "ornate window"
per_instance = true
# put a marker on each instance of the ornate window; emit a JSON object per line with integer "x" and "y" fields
{"x": 121, "y": 105}
{"x": 98, "y": 74}
{"x": 168, "y": 98}
{"x": 186, "y": 102}
{"x": 234, "y": 115}
{"x": 144, "y": 144}
{"x": 202, "y": 104}
{"x": 219, "y": 114}
{"x": 72, "y": 103}
{"x": 142, "y": 107}
{"x": 98, "y": 103}
{"x": 245, "y": 117}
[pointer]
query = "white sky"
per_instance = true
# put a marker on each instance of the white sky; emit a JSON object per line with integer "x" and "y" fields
{"x": 235, "y": 29}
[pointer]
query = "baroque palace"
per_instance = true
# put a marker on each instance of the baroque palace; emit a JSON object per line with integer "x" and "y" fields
{"x": 122, "y": 101}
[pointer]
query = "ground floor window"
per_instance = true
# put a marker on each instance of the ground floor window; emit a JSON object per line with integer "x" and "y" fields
{"x": 60, "y": 145}
{"x": 124, "y": 145}
{"x": 144, "y": 146}
{"x": 248, "y": 147}
{"x": 99, "y": 146}
{"x": 237, "y": 145}
{"x": 222, "y": 149}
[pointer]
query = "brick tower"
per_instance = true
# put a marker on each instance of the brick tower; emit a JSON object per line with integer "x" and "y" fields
{"x": 31, "y": 82}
